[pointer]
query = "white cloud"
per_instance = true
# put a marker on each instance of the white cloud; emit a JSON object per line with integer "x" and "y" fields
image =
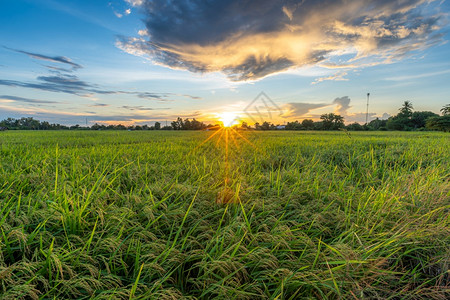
{"x": 339, "y": 76}
{"x": 143, "y": 32}
{"x": 135, "y": 2}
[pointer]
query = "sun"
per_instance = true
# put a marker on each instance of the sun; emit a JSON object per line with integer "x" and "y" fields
{"x": 228, "y": 119}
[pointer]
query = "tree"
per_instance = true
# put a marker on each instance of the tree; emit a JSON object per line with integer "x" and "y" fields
{"x": 439, "y": 123}
{"x": 332, "y": 121}
{"x": 355, "y": 127}
{"x": 402, "y": 121}
{"x": 406, "y": 109}
{"x": 157, "y": 126}
{"x": 294, "y": 126}
{"x": 244, "y": 125}
{"x": 178, "y": 124}
{"x": 308, "y": 124}
{"x": 445, "y": 110}
{"x": 96, "y": 127}
{"x": 197, "y": 125}
{"x": 398, "y": 123}
{"x": 377, "y": 124}
{"x": 265, "y": 126}
{"x": 419, "y": 118}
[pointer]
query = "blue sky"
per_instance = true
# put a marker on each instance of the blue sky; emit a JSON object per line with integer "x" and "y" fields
{"x": 141, "y": 61}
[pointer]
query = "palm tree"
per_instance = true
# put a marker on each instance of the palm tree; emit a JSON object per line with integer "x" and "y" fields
{"x": 406, "y": 108}
{"x": 445, "y": 110}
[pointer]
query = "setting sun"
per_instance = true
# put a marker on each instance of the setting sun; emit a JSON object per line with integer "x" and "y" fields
{"x": 228, "y": 119}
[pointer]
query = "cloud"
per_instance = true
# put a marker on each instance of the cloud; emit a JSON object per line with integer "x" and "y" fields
{"x": 248, "y": 40}
{"x": 192, "y": 97}
{"x": 417, "y": 76}
{"x": 339, "y": 76}
{"x": 143, "y": 32}
{"x": 359, "y": 117}
{"x": 153, "y": 96}
{"x": 27, "y": 100}
{"x": 61, "y": 83}
{"x": 71, "y": 84}
{"x": 385, "y": 116}
{"x": 71, "y": 118}
{"x": 139, "y": 107}
{"x": 298, "y": 109}
{"x": 57, "y": 70}
{"x": 99, "y": 105}
{"x": 342, "y": 105}
{"x": 135, "y": 2}
{"x": 55, "y": 59}
{"x": 67, "y": 81}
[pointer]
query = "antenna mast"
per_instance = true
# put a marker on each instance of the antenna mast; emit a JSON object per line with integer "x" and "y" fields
{"x": 367, "y": 109}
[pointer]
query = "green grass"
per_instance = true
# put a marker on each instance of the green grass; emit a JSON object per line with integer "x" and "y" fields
{"x": 125, "y": 215}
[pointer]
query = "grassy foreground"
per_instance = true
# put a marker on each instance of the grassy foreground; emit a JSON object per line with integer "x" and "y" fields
{"x": 158, "y": 215}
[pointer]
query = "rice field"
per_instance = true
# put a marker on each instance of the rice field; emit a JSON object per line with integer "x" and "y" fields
{"x": 254, "y": 215}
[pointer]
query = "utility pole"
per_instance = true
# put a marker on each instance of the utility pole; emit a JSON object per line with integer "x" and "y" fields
{"x": 367, "y": 109}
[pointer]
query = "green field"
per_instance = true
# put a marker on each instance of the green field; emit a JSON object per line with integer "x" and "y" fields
{"x": 159, "y": 215}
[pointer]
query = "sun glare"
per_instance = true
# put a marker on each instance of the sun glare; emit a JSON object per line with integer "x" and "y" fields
{"x": 228, "y": 119}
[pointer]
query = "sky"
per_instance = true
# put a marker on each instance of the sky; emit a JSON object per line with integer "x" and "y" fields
{"x": 142, "y": 61}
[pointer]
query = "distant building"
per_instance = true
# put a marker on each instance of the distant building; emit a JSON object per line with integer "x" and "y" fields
{"x": 281, "y": 127}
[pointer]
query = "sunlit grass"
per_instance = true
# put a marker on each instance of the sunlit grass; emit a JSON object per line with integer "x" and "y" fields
{"x": 136, "y": 214}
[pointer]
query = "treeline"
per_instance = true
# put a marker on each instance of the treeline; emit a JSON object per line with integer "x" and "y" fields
{"x": 29, "y": 123}
{"x": 405, "y": 120}
{"x": 408, "y": 120}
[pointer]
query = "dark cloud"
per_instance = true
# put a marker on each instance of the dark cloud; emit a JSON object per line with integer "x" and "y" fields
{"x": 99, "y": 105}
{"x": 192, "y": 97}
{"x": 255, "y": 38}
{"x": 57, "y": 70}
{"x": 61, "y": 81}
{"x": 55, "y": 59}
{"x": 71, "y": 84}
{"x": 140, "y": 107}
{"x": 68, "y": 81}
{"x": 137, "y": 107}
{"x": 153, "y": 96}
{"x": 27, "y": 100}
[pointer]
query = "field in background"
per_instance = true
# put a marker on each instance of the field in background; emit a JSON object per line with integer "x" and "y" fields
{"x": 141, "y": 215}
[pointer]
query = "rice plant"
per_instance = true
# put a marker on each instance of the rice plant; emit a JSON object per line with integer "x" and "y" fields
{"x": 270, "y": 215}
